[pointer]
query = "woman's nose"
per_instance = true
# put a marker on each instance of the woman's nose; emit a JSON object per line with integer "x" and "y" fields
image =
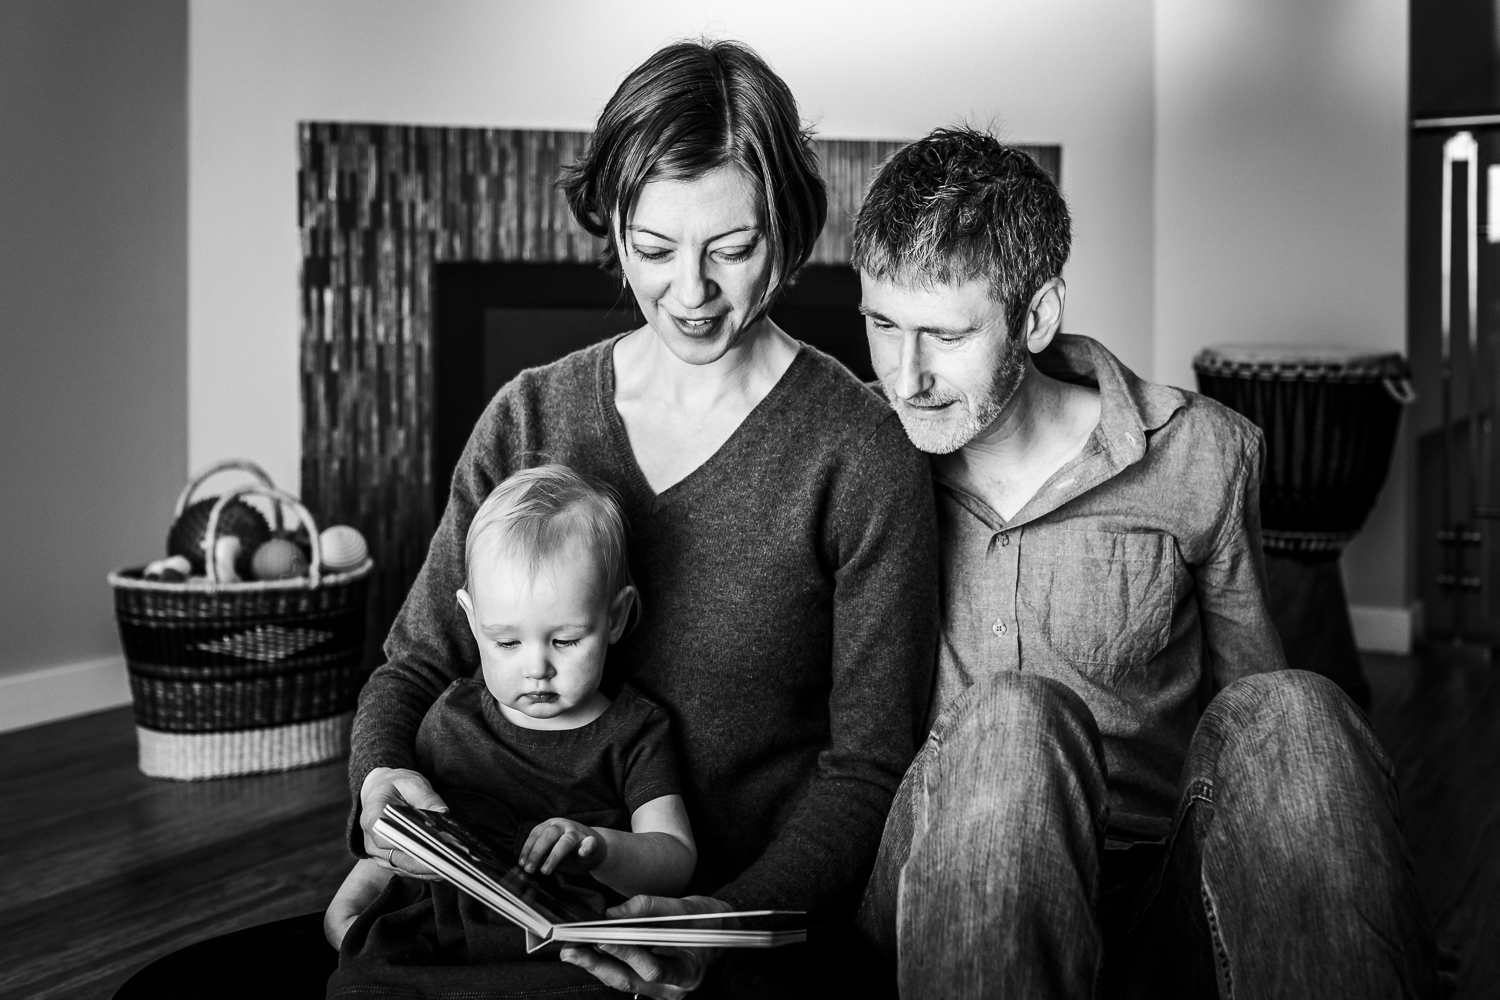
{"x": 694, "y": 287}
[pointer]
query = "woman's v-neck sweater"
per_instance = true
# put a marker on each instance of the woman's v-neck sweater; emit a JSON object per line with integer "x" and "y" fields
{"x": 789, "y": 593}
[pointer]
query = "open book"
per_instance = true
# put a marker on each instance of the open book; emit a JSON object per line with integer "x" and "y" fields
{"x": 547, "y": 911}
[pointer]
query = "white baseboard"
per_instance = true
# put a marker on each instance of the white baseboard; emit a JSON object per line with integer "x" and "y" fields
{"x": 61, "y": 692}
{"x": 1384, "y": 630}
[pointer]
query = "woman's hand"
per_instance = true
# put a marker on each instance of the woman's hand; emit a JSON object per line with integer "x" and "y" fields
{"x": 654, "y": 972}
{"x": 385, "y": 785}
{"x": 566, "y": 843}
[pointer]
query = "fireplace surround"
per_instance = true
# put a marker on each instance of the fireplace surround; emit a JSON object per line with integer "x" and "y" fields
{"x": 434, "y": 258}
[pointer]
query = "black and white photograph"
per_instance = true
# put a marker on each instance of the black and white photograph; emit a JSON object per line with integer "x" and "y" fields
{"x": 749, "y": 499}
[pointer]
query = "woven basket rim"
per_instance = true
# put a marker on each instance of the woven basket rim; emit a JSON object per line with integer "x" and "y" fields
{"x": 201, "y": 584}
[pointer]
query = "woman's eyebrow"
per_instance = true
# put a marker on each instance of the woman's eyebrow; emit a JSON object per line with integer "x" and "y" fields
{"x": 751, "y": 228}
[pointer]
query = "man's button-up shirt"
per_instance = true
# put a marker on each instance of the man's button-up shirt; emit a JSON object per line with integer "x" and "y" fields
{"x": 1134, "y": 576}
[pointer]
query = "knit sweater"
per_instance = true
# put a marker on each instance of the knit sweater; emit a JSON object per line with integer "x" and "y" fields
{"x": 789, "y": 592}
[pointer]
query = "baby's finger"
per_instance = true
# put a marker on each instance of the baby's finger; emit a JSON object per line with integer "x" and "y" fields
{"x": 536, "y": 832}
{"x": 565, "y": 846}
{"x": 545, "y": 837}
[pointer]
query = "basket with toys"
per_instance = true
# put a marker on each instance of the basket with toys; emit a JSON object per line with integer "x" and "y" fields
{"x": 245, "y": 644}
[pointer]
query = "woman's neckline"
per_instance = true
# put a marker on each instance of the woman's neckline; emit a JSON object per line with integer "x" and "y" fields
{"x": 620, "y": 437}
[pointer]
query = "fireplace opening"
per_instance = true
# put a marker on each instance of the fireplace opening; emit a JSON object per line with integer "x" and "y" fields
{"x": 492, "y": 320}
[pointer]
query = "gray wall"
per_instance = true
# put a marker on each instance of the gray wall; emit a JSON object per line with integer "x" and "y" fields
{"x": 93, "y": 311}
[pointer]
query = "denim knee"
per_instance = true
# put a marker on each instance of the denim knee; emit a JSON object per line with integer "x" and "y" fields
{"x": 1279, "y": 742}
{"x": 1013, "y": 710}
{"x": 1290, "y": 706}
{"x": 1012, "y": 742}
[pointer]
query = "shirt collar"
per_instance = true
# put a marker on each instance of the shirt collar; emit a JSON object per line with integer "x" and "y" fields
{"x": 1129, "y": 406}
{"x": 1129, "y": 409}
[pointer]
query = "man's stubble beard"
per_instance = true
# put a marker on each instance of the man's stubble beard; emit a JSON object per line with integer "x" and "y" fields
{"x": 947, "y": 436}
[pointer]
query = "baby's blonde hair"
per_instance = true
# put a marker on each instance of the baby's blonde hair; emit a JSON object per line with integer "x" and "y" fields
{"x": 537, "y": 511}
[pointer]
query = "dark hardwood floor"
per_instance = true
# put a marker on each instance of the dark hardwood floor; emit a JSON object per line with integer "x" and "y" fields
{"x": 1439, "y": 719}
{"x": 102, "y": 869}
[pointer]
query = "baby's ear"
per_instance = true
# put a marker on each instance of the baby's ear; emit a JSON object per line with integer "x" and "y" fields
{"x": 467, "y": 603}
{"x": 625, "y": 601}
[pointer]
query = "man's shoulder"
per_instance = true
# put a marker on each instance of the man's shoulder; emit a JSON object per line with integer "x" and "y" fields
{"x": 1169, "y": 415}
{"x": 1204, "y": 424}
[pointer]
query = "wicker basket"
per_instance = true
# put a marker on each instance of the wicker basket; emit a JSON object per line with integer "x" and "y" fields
{"x": 242, "y": 678}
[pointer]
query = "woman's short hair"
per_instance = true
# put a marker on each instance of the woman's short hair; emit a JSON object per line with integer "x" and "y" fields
{"x": 959, "y": 205}
{"x": 689, "y": 109}
{"x": 538, "y": 511}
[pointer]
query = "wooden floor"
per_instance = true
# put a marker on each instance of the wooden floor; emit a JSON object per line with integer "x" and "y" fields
{"x": 102, "y": 870}
{"x": 1440, "y": 722}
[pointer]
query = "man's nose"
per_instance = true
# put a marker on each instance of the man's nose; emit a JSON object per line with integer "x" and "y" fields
{"x": 694, "y": 286}
{"x": 911, "y": 374}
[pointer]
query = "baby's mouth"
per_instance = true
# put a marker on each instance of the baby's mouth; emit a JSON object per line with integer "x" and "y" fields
{"x": 535, "y": 696}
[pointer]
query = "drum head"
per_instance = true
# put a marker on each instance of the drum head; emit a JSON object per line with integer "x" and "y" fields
{"x": 1300, "y": 361}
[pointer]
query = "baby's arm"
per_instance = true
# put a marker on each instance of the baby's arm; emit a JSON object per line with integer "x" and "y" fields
{"x": 655, "y": 858}
{"x": 359, "y": 890}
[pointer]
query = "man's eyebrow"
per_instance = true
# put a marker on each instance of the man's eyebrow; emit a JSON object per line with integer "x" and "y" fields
{"x": 751, "y": 228}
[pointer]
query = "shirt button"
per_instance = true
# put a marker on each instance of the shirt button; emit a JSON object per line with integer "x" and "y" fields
{"x": 1004, "y": 540}
{"x": 999, "y": 628}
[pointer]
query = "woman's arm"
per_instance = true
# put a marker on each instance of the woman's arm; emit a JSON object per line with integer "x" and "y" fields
{"x": 882, "y": 543}
{"x": 656, "y": 857}
{"x": 429, "y": 644}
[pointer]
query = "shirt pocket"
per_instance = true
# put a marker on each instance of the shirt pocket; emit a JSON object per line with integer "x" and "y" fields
{"x": 1100, "y": 597}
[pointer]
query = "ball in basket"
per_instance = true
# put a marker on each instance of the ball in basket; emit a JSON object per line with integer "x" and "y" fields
{"x": 278, "y": 559}
{"x": 173, "y": 569}
{"x": 237, "y": 520}
{"x": 343, "y": 548}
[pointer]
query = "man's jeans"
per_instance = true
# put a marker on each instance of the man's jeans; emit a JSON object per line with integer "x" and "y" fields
{"x": 1286, "y": 876}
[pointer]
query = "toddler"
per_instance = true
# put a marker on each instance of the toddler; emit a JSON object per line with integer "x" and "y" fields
{"x": 534, "y": 756}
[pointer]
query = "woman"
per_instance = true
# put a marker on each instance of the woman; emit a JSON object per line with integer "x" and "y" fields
{"x": 783, "y": 535}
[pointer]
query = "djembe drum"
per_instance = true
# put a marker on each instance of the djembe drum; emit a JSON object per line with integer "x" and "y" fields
{"x": 1329, "y": 416}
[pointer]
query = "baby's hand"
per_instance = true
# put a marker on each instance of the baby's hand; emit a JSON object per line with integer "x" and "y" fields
{"x": 563, "y": 843}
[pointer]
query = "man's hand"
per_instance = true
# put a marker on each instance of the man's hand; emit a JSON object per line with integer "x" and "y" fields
{"x": 655, "y": 972}
{"x": 565, "y": 843}
{"x": 385, "y": 785}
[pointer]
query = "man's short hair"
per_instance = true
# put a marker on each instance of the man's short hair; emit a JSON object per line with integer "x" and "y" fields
{"x": 691, "y": 108}
{"x": 959, "y": 205}
{"x": 538, "y": 511}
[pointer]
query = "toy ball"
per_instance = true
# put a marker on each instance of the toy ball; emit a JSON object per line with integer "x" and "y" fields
{"x": 173, "y": 569}
{"x": 343, "y": 548}
{"x": 278, "y": 559}
{"x": 237, "y": 520}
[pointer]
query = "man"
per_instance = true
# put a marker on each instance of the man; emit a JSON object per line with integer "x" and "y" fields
{"x": 1124, "y": 788}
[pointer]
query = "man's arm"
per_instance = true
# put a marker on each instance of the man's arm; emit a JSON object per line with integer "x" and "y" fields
{"x": 1239, "y": 636}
